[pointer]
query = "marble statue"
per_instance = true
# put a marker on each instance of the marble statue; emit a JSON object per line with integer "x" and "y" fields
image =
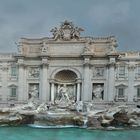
{"x": 44, "y": 48}
{"x": 19, "y": 47}
{"x": 87, "y": 49}
{"x": 33, "y": 101}
{"x": 79, "y": 106}
{"x": 63, "y": 91}
{"x": 57, "y": 34}
{"x": 67, "y": 31}
{"x": 42, "y": 108}
{"x": 76, "y": 32}
{"x": 89, "y": 107}
{"x": 34, "y": 94}
{"x": 97, "y": 92}
{"x": 64, "y": 97}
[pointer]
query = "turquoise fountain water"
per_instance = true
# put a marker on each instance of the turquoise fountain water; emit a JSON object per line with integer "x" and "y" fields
{"x": 27, "y": 133}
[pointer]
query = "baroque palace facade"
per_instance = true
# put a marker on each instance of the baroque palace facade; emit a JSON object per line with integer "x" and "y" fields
{"x": 89, "y": 68}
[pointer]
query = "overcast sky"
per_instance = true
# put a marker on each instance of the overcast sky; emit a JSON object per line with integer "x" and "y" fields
{"x": 35, "y": 19}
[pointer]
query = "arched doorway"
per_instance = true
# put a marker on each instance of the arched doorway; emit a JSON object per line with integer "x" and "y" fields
{"x": 69, "y": 79}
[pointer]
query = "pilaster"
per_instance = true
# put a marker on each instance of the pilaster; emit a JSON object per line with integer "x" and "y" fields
{"x": 111, "y": 81}
{"x": 87, "y": 86}
{"x": 21, "y": 79}
{"x": 52, "y": 92}
{"x": 111, "y": 76}
{"x": 4, "y": 81}
{"x": 44, "y": 80}
{"x": 78, "y": 98}
{"x": 78, "y": 91}
{"x": 131, "y": 77}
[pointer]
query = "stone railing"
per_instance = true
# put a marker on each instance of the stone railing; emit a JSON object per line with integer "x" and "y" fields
{"x": 117, "y": 98}
{"x": 12, "y": 98}
{"x": 136, "y": 99}
{"x": 137, "y": 75}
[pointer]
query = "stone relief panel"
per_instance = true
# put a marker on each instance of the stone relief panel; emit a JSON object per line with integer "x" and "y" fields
{"x": 98, "y": 72}
{"x": 34, "y": 49}
{"x": 34, "y": 72}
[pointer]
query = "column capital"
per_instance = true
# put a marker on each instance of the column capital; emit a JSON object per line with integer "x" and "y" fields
{"x": 44, "y": 61}
{"x": 20, "y": 61}
{"x": 22, "y": 65}
{"x": 113, "y": 64}
{"x": 51, "y": 80}
{"x": 44, "y": 64}
{"x": 79, "y": 80}
{"x": 131, "y": 66}
{"x": 4, "y": 66}
{"x": 86, "y": 61}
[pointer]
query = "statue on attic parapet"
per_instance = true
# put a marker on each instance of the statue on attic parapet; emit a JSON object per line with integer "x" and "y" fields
{"x": 66, "y": 32}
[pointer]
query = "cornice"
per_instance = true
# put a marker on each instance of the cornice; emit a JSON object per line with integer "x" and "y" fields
{"x": 50, "y": 40}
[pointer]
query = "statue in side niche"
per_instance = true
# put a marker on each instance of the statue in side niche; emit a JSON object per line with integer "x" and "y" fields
{"x": 97, "y": 92}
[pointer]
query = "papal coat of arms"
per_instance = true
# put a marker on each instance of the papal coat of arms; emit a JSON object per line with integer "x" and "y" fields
{"x": 67, "y": 31}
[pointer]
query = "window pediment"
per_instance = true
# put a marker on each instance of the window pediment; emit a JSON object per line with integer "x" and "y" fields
{"x": 121, "y": 85}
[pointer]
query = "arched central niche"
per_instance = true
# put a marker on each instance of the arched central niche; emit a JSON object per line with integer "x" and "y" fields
{"x": 66, "y": 76}
{"x": 65, "y": 86}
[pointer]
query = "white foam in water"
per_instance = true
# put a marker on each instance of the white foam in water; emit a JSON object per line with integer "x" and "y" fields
{"x": 85, "y": 123}
{"x": 55, "y": 126}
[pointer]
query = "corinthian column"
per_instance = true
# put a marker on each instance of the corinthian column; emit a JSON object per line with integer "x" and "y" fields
{"x": 21, "y": 80}
{"x": 78, "y": 91}
{"x": 87, "y": 91}
{"x": 111, "y": 82}
{"x": 52, "y": 92}
{"x": 131, "y": 77}
{"x": 44, "y": 81}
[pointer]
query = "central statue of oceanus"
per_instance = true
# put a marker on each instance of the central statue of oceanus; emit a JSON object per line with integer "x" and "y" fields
{"x": 64, "y": 96}
{"x": 63, "y": 92}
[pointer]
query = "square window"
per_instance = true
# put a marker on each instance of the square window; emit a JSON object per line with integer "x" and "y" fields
{"x": 13, "y": 92}
{"x": 138, "y": 92}
{"x": 13, "y": 71}
{"x": 122, "y": 71}
{"x": 138, "y": 68}
{"x": 121, "y": 92}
